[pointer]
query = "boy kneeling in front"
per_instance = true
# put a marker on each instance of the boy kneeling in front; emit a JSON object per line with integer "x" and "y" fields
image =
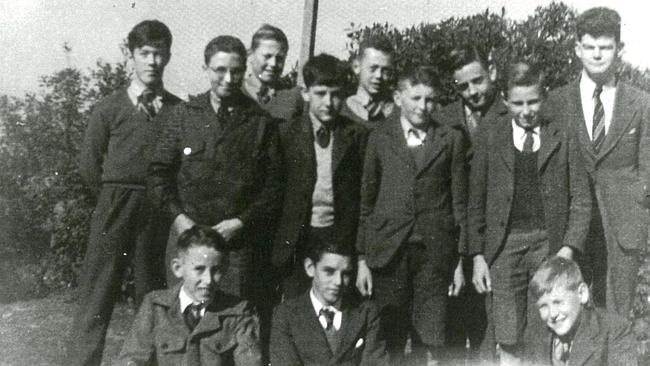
{"x": 327, "y": 325}
{"x": 194, "y": 323}
{"x": 579, "y": 335}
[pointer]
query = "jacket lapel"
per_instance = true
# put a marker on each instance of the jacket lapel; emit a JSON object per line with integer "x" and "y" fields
{"x": 503, "y": 142}
{"x": 169, "y": 299}
{"x": 310, "y": 328}
{"x": 577, "y": 118}
{"x": 351, "y": 325}
{"x": 342, "y": 142}
{"x": 304, "y": 133}
{"x": 622, "y": 117}
{"x": 398, "y": 143}
{"x": 212, "y": 131}
{"x": 584, "y": 343}
{"x": 434, "y": 144}
{"x": 550, "y": 140}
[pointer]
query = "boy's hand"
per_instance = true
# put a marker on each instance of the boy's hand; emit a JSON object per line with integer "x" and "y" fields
{"x": 481, "y": 275}
{"x": 228, "y": 228}
{"x": 459, "y": 280}
{"x": 364, "y": 278}
{"x": 182, "y": 223}
{"x": 565, "y": 252}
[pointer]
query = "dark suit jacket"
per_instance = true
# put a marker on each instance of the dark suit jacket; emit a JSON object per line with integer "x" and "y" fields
{"x": 620, "y": 171}
{"x": 348, "y": 148}
{"x": 211, "y": 170}
{"x": 454, "y": 115}
{"x": 286, "y": 104}
{"x": 398, "y": 198}
{"x": 297, "y": 337}
{"x": 602, "y": 339}
{"x": 228, "y": 333}
{"x": 563, "y": 183}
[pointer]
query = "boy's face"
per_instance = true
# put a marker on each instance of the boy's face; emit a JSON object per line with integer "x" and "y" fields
{"x": 267, "y": 60}
{"x": 474, "y": 84}
{"x": 374, "y": 70}
{"x": 598, "y": 56}
{"x": 523, "y": 103}
{"x": 149, "y": 63}
{"x": 201, "y": 269}
{"x": 324, "y": 101}
{"x": 560, "y": 309}
{"x": 416, "y": 103}
{"x": 226, "y": 73}
{"x": 330, "y": 277}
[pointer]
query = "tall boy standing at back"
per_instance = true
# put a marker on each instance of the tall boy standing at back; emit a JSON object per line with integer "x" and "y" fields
{"x": 115, "y": 155}
{"x": 413, "y": 213}
{"x": 611, "y": 121}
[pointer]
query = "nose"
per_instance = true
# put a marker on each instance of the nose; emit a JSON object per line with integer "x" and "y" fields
{"x": 272, "y": 61}
{"x": 227, "y": 77}
{"x": 338, "y": 279}
{"x": 597, "y": 52}
{"x": 327, "y": 99}
{"x": 526, "y": 109}
{"x": 472, "y": 89}
{"x": 206, "y": 277}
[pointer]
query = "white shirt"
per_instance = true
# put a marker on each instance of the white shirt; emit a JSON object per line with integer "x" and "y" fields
{"x": 322, "y": 209}
{"x": 411, "y": 140}
{"x": 587, "y": 87}
{"x": 519, "y": 136}
{"x": 338, "y": 315}
{"x": 186, "y": 301}
{"x": 136, "y": 88}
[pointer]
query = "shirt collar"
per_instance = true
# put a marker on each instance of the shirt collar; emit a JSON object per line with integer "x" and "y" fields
{"x": 520, "y": 131}
{"x": 406, "y": 126}
{"x": 587, "y": 85}
{"x": 316, "y": 123}
{"x": 319, "y": 305}
{"x": 362, "y": 96}
{"x": 253, "y": 86}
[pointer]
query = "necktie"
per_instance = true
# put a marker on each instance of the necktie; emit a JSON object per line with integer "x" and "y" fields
{"x": 263, "y": 96}
{"x": 598, "y": 127}
{"x": 374, "y": 111}
{"x": 413, "y": 138}
{"x": 323, "y": 137}
{"x": 329, "y": 317}
{"x": 561, "y": 352}
{"x": 145, "y": 102}
{"x": 192, "y": 315}
{"x": 223, "y": 112}
{"x": 529, "y": 141}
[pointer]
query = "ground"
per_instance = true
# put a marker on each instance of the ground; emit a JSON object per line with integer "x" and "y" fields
{"x": 33, "y": 332}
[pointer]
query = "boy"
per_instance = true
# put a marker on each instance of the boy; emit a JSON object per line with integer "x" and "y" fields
{"x": 579, "y": 335}
{"x": 610, "y": 119}
{"x": 115, "y": 154}
{"x": 326, "y": 325}
{"x": 528, "y": 199}
{"x": 323, "y": 163}
{"x": 194, "y": 323}
{"x": 413, "y": 214}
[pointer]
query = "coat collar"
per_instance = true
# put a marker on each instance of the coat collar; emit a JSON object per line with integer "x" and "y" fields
{"x": 585, "y": 343}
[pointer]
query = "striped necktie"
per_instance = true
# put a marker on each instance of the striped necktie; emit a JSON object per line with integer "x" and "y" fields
{"x": 374, "y": 109}
{"x": 598, "y": 127}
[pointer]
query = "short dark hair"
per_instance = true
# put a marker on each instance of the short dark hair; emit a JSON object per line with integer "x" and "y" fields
{"x": 149, "y": 32}
{"x": 200, "y": 235}
{"x": 556, "y": 271}
{"x": 523, "y": 74}
{"x": 462, "y": 56}
{"x": 269, "y": 32}
{"x": 320, "y": 246}
{"x": 377, "y": 42}
{"x": 326, "y": 70}
{"x": 599, "y": 22}
{"x": 416, "y": 75}
{"x": 227, "y": 44}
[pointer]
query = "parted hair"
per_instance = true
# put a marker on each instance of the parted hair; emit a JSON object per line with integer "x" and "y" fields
{"x": 269, "y": 32}
{"x": 379, "y": 43}
{"x": 462, "y": 56}
{"x": 416, "y": 75}
{"x": 556, "y": 271}
{"x": 319, "y": 247}
{"x": 149, "y": 32}
{"x": 598, "y": 22}
{"x": 523, "y": 74}
{"x": 200, "y": 235}
{"x": 326, "y": 70}
{"x": 227, "y": 44}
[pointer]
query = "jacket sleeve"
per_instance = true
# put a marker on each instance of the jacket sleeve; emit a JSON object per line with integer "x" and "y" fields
{"x": 580, "y": 198}
{"x": 248, "y": 350}
{"x": 268, "y": 195}
{"x": 374, "y": 352}
{"x": 478, "y": 193}
{"x": 459, "y": 188}
{"x": 165, "y": 162}
{"x": 282, "y": 348}
{"x": 621, "y": 346}
{"x": 138, "y": 348}
{"x": 94, "y": 148}
{"x": 370, "y": 183}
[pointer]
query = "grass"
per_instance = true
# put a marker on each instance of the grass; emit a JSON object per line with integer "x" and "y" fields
{"x": 34, "y": 332}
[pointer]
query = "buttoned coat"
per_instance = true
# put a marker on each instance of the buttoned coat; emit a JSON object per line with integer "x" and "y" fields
{"x": 563, "y": 185}
{"x": 399, "y": 198}
{"x": 620, "y": 171}
{"x": 214, "y": 170}
{"x": 297, "y": 140}
{"x": 228, "y": 333}
{"x": 602, "y": 339}
{"x": 454, "y": 115}
{"x": 297, "y": 337}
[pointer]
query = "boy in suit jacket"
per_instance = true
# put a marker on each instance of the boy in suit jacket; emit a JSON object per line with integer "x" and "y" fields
{"x": 528, "y": 199}
{"x": 194, "y": 323}
{"x": 122, "y": 132}
{"x": 611, "y": 121}
{"x": 578, "y": 334}
{"x": 327, "y": 325}
{"x": 323, "y": 154}
{"x": 413, "y": 211}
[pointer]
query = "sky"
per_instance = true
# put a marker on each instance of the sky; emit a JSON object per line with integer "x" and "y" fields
{"x": 33, "y": 31}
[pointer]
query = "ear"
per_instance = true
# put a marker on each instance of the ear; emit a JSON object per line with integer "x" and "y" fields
{"x": 620, "y": 50}
{"x": 356, "y": 66}
{"x": 305, "y": 94}
{"x": 492, "y": 72}
{"x": 310, "y": 267}
{"x": 504, "y": 98}
{"x": 177, "y": 267}
{"x": 583, "y": 293}
{"x": 397, "y": 97}
{"x": 577, "y": 49}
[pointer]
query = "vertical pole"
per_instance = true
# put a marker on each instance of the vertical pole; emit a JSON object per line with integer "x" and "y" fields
{"x": 308, "y": 35}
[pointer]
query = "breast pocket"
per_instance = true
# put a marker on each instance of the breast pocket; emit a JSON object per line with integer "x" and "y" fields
{"x": 194, "y": 160}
